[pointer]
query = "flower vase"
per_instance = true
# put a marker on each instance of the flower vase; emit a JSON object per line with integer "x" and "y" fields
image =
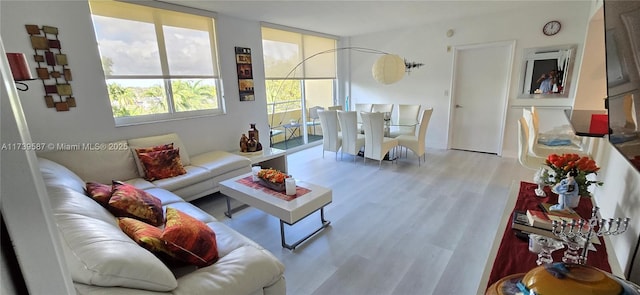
{"x": 255, "y": 134}
{"x": 572, "y": 201}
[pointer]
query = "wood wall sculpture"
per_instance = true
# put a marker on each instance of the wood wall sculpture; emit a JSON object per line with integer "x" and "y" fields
{"x": 52, "y": 68}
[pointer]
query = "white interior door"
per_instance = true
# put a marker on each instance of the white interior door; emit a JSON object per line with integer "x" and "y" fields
{"x": 481, "y": 79}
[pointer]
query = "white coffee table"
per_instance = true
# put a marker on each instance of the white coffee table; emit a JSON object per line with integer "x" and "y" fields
{"x": 289, "y": 212}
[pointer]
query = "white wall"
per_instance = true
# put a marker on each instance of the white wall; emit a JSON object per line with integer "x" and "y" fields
{"x": 430, "y": 84}
{"x": 591, "y": 92}
{"x": 91, "y": 120}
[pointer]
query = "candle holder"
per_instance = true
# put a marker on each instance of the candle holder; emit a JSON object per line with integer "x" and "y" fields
{"x": 578, "y": 233}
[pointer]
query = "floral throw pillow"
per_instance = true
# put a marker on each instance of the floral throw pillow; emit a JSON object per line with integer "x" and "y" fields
{"x": 191, "y": 240}
{"x": 129, "y": 201}
{"x": 146, "y": 235}
{"x": 101, "y": 193}
{"x": 162, "y": 147}
{"x": 161, "y": 164}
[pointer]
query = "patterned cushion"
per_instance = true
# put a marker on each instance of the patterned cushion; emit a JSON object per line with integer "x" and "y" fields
{"x": 161, "y": 164}
{"x": 146, "y": 235}
{"x": 129, "y": 201}
{"x": 136, "y": 150}
{"x": 162, "y": 147}
{"x": 101, "y": 193}
{"x": 191, "y": 240}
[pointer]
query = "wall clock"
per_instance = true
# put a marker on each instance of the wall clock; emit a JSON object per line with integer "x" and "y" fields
{"x": 551, "y": 28}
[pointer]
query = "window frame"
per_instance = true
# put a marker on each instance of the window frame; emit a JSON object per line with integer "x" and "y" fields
{"x": 166, "y": 76}
{"x": 301, "y": 79}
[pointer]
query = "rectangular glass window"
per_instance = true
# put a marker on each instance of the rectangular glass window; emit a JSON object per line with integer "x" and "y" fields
{"x": 159, "y": 64}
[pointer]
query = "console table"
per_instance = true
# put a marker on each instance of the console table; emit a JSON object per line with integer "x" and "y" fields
{"x": 510, "y": 255}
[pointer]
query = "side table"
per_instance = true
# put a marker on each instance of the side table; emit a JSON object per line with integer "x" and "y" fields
{"x": 268, "y": 158}
{"x": 290, "y": 128}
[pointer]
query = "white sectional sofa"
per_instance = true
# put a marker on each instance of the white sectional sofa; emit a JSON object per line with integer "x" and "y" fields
{"x": 116, "y": 161}
{"x": 102, "y": 259}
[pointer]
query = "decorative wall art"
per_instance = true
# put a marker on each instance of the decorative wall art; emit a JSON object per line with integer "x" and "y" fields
{"x": 245, "y": 74}
{"x": 52, "y": 68}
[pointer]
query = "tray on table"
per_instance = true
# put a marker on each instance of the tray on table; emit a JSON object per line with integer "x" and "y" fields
{"x": 280, "y": 187}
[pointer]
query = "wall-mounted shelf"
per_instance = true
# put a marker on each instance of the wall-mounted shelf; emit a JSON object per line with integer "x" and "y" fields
{"x": 591, "y": 123}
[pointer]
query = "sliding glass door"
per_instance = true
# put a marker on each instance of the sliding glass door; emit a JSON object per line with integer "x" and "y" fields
{"x": 300, "y": 73}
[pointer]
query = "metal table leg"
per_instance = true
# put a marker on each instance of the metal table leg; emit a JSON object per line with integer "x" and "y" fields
{"x": 324, "y": 224}
{"x": 230, "y": 211}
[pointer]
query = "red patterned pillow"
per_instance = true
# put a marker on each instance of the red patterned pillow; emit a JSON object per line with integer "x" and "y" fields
{"x": 146, "y": 235}
{"x": 162, "y": 147}
{"x": 191, "y": 240}
{"x": 161, "y": 164}
{"x": 101, "y": 193}
{"x": 129, "y": 201}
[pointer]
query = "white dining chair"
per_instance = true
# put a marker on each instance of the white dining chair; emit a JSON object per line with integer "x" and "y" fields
{"x": 415, "y": 142}
{"x": 376, "y": 146}
{"x": 359, "y": 108}
{"x": 526, "y": 159}
{"x": 352, "y": 139}
{"x": 331, "y": 141}
{"x": 542, "y": 150}
{"x": 382, "y": 108}
{"x": 579, "y": 142}
{"x": 408, "y": 116}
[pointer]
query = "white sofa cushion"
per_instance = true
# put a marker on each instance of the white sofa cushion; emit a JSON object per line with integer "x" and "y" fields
{"x": 150, "y": 141}
{"x": 194, "y": 175}
{"x": 99, "y": 253}
{"x": 56, "y": 175}
{"x": 101, "y": 165}
{"x": 220, "y": 162}
{"x": 140, "y": 183}
{"x": 246, "y": 270}
{"x": 166, "y": 197}
{"x": 65, "y": 201}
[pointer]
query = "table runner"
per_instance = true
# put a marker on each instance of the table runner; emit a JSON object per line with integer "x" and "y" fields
{"x": 513, "y": 255}
{"x": 248, "y": 181}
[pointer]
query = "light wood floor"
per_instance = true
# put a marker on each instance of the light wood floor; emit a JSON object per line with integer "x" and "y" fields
{"x": 400, "y": 229}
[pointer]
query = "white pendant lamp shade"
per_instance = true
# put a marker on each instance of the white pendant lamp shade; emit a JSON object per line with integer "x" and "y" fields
{"x": 388, "y": 69}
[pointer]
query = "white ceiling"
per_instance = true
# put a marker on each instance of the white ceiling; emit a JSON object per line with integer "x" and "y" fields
{"x": 349, "y": 18}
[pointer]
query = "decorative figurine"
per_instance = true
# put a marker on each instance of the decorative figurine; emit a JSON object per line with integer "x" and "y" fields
{"x": 568, "y": 193}
{"x": 252, "y": 145}
{"x": 244, "y": 143}
{"x": 538, "y": 178}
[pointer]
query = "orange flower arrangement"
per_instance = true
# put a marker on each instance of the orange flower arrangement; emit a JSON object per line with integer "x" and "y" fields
{"x": 272, "y": 175}
{"x": 562, "y": 164}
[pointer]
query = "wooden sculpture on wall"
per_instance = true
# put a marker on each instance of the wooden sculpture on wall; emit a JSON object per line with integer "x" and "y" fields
{"x": 52, "y": 68}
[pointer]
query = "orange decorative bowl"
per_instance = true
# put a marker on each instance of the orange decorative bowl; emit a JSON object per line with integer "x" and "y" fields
{"x": 562, "y": 279}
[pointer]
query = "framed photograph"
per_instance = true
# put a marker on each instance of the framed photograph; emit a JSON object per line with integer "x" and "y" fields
{"x": 245, "y": 74}
{"x": 244, "y": 71}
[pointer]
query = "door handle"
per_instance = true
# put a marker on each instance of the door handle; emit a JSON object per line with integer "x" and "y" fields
{"x": 458, "y": 106}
